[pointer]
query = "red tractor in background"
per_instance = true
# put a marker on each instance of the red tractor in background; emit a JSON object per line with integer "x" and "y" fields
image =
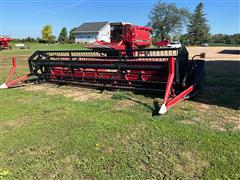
{"x": 5, "y": 43}
{"x": 125, "y": 36}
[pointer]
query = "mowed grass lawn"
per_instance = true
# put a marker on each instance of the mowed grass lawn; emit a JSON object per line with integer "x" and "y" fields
{"x": 51, "y": 136}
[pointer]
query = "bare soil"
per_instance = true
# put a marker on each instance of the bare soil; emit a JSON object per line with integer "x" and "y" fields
{"x": 76, "y": 93}
{"x": 216, "y": 53}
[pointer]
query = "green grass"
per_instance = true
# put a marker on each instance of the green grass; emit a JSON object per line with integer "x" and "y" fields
{"x": 120, "y": 95}
{"x": 31, "y": 47}
{"x": 52, "y": 136}
{"x": 55, "y": 137}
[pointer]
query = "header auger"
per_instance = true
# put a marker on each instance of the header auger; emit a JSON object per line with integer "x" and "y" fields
{"x": 166, "y": 71}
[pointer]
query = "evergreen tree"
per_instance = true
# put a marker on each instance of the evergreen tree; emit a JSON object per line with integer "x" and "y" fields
{"x": 198, "y": 29}
{"x": 63, "y": 36}
{"x": 72, "y": 35}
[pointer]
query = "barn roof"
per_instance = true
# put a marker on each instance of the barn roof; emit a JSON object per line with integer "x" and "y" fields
{"x": 91, "y": 26}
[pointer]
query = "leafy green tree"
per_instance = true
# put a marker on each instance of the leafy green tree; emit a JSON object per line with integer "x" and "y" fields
{"x": 167, "y": 18}
{"x": 47, "y": 33}
{"x": 229, "y": 40}
{"x": 63, "y": 36}
{"x": 72, "y": 35}
{"x": 175, "y": 38}
{"x": 198, "y": 29}
{"x": 217, "y": 38}
{"x": 184, "y": 39}
{"x": 52, "y": 39}
{"x": 225, "y": 39}
{"x": 236, "y": 38}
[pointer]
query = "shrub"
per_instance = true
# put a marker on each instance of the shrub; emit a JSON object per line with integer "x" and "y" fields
{"x": 119, "y": 95}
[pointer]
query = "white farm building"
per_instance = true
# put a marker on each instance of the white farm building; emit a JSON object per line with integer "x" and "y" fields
{"x": 92, "y": 31}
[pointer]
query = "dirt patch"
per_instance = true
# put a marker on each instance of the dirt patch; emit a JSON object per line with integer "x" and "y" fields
{"x": 11, "y": 125}
{"x": 237, "y": 128}
{"x": 229, "y": 121}
{"x": 191, "y": 164}
{"x": 225, "y": 123}
{"x": 19, "y": 122}
{"x": 123, "y": 104}
{"x": 217, "y": 126}
{"x": 236, "y": 121}
{"x": 188, "y": 122}
{"x": 123, "y": 139}
{"x": 203, "y": 107}
{"x": 76, "y": 93}
{"x": 215, "y": 117}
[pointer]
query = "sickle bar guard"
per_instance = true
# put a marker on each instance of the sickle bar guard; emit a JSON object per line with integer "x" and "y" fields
{"x": 165, "y": 71}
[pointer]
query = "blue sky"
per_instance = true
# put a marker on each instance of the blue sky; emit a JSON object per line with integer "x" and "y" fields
{"x": 22, "y": 18}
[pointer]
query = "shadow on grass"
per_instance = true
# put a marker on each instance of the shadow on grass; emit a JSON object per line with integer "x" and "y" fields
{"x": 154, "y": 108}
{"x": 222, "y": 86}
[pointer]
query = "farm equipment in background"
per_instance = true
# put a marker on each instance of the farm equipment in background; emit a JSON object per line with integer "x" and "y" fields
{"x": 5, "y": 43}
{"x": 166, "y": 71}
{"x": 125, "y": 36}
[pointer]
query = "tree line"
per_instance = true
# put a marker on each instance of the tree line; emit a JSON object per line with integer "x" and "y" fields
{"x": 63, "y": 37}
{"x": 168, "y": 22}
{"x": 213, "y": 39}
{"x": 48, "y": 37}
{"x": 225, "y": 39}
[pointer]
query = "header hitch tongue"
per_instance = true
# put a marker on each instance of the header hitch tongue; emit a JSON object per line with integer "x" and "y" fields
{"x": 8, "y": 82}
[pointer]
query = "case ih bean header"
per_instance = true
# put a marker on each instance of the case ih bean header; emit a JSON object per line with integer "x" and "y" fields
{"x": 125, "y": 63}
